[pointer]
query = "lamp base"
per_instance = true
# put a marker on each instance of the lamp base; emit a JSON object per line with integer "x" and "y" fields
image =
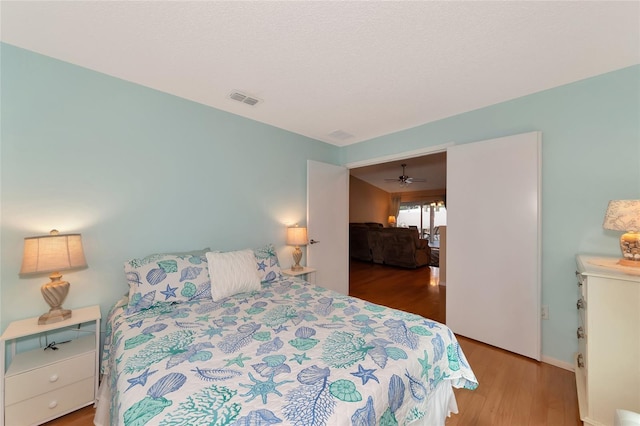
{"x": 627, "y": 262}
{"x": 630, "y": 246}
{"x": 297, "y": 256}
{"x": 54, "y": 315}
{"x": 54, "y": 293}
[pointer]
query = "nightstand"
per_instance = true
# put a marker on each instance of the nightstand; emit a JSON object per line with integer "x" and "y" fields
{"x": 41, "y": 385}
{"x": 307, "y": 273}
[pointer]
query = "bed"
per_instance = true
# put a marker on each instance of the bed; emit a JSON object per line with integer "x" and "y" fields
{"x": 182, "y": 349}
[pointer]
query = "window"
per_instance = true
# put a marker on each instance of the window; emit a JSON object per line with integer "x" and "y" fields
{"x": 427, "y": 217}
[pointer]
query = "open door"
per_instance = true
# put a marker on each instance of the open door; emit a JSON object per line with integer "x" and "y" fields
{"x": 328, "y": 224}
{"x": 493, "y": 242}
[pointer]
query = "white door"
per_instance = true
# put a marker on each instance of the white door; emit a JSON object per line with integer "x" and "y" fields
{"x": 493, "y": 242}
{"x": 328, "y": 224}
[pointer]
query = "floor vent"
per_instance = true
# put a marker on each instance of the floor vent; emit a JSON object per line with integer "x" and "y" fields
{"x": 244, "y": 98}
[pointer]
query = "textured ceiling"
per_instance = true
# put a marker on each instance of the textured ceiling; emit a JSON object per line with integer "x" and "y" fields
{"x": 340, "y": 72}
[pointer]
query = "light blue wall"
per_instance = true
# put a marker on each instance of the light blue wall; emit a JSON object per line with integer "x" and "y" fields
{"x": 136, "y": 171}
{"x": 590, "y": 154}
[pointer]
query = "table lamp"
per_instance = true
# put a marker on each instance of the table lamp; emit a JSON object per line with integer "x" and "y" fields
{"x": 51, "y": 254}
{"x": 297, "y": 236}
{"x": 391, "y": 221}
{"x": 624, "y": 215}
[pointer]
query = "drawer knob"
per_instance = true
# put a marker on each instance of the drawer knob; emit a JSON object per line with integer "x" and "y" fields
{"x": 580, "y": 304}
{"x": 53, "y": 378}
{"x": 53, "y": 404}
{"x": 580, "y": 361}
{"x": 580, "y": 333}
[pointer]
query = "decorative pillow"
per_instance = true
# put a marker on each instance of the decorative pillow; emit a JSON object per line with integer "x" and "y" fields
{"x": 268, "y": 265}
{"x": 232, "y": 272}
{"x": 157, "y": 278}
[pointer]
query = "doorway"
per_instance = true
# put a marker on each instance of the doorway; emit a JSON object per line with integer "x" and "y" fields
{"x": 427, "y": 197}
{"x": 498, "y": 174}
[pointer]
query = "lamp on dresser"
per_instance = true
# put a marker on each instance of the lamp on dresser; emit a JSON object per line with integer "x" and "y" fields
{"x": 53, "y": 253}
{"x": 624, "y": 215}
{"x": 297, "y": 236}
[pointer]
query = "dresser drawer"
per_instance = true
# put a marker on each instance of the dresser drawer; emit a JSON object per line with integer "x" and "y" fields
{"x": 28, "y": 384}
{"x": 581, "y": 306}
{"x": 581, "y": 385}
{"x": 582, "y": 350}
{"x": 582, "y": 284}
{"x": 51, "y": 404}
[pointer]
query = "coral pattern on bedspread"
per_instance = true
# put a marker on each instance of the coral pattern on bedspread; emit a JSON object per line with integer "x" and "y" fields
{"x": 292, "y": 353}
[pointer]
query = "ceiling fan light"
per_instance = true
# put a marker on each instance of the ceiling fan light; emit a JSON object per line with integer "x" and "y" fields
{"x": 404, "y": 180}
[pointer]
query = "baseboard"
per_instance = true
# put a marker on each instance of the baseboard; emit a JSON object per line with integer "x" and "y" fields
{"x": 557, "y": 363}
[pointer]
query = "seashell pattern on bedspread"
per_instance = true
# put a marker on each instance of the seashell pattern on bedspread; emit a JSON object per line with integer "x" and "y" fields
{"x": 292, "y": 353}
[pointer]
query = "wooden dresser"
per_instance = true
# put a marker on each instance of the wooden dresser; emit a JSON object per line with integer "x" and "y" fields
{"x": 608, "y": 360}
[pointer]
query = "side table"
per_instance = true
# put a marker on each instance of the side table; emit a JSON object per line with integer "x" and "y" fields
{"x": 40, "y": 385}
{"x": 307, "y": 273}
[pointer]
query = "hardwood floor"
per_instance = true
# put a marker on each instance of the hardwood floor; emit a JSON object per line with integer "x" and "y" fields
{"x": 82, "y": 417}
{"x": 513, "y": 391}
{"x": 411, "y": 290}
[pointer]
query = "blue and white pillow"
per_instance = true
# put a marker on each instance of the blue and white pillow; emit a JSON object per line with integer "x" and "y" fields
{"x": 268, "y": 265}
{"x": 158, "y": 278}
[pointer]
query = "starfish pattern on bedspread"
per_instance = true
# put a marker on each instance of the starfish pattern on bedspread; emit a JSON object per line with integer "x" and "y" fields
{"x": 291, "y": 353}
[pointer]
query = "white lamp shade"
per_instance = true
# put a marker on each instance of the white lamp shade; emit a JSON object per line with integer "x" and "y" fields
{"x": 297, "y": 236}
{"x": 52, "y": 253}
{"x": 623, "y": 215}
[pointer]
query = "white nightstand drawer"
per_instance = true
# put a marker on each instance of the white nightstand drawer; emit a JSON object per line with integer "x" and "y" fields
{"x": 40, "y": 385}
{"x": 48, "y": 378}
{"x": 51, "y": 405}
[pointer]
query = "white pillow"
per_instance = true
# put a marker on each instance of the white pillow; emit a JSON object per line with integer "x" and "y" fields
{"x": 232, "y": 272}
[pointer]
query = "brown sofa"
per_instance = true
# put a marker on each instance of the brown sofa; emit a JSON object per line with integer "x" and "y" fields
{"x": 359, "y": 242}
{"x": 365, "y": 241}
{"x": 390, "y": 246}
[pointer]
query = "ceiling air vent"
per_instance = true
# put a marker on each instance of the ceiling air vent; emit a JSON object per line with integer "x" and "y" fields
{"x": 340, "y": 134}
{"x": 244, "y": 98}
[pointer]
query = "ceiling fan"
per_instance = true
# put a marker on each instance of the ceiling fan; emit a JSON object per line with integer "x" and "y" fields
{"x": 405, "y": 180}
